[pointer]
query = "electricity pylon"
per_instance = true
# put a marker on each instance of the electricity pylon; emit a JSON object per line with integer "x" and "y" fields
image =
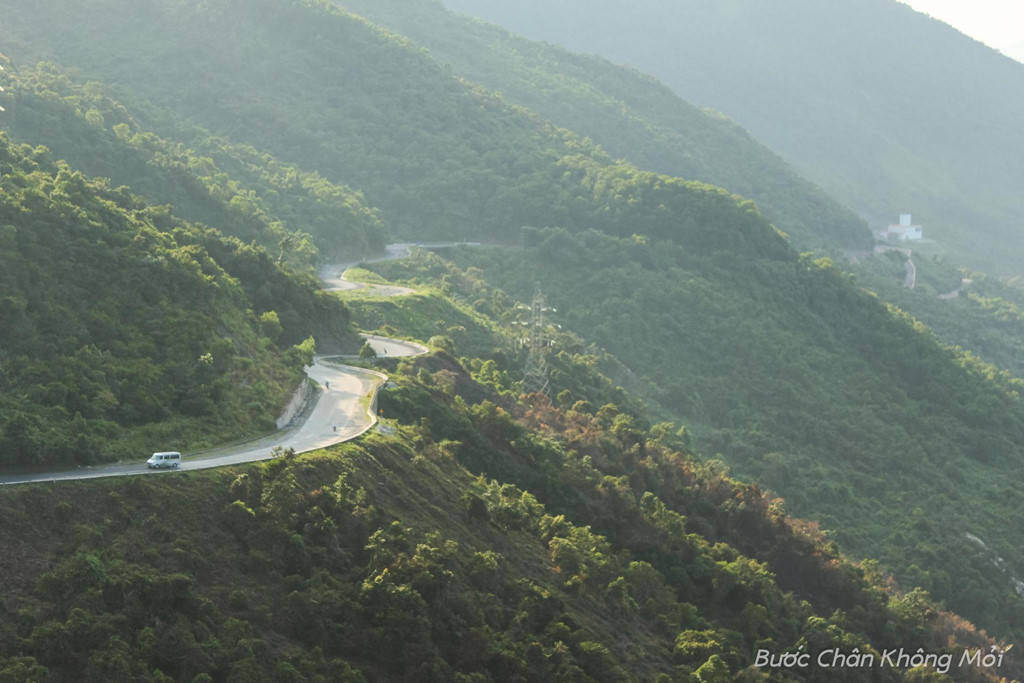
{"x": 537, "y": 338}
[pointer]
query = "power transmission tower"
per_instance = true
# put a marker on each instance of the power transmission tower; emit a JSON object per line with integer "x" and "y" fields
{"x": 2, "y": 69}
{"x": 537, "y": 338}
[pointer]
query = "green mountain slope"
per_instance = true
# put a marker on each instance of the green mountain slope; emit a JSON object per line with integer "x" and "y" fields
{"x": 391, "y": 560}
{"x": 888, "y": 110}
{"x": 799, "y": 380}
{"x": 125, "y": 328}
{"x": 436, "y": 156}
{"x": 782, "y": 365}
{"x": 964, "y": 308}
{"x": 629, "y": 115}
{"x": 242, "y": 192}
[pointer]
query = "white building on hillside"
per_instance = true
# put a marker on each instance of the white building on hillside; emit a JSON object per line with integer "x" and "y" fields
{"x": 906, "y": 230}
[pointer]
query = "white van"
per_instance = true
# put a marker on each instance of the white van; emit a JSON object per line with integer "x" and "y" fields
{"x": 159, "y": 461}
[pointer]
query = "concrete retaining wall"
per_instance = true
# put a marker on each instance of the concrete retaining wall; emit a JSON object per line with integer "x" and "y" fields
{"x": 295, "y": 405}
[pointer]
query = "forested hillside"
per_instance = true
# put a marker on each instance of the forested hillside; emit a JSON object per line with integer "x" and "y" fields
{"x": 889, "y": 110}
{"x": 277, "y": 118}
{"x": 801, "y": 381}
{"x": 981, "y": 314}
{"x": 126, "y": 329}
{"x": 630, "y": 115}
{"x": 245, "y": 193}
{"x": 481, "y": 538}
{"x": 438, "y": 157}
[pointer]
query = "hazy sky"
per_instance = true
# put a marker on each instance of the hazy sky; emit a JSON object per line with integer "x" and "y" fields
{"x": 997, "y": 23}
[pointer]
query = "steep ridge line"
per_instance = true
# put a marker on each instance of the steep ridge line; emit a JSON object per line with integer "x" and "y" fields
{"x": 344, "y": 408}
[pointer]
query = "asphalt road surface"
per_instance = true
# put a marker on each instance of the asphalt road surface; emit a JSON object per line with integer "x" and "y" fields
{"x": 333, "y": 274}
{"x": 343, "y": 410}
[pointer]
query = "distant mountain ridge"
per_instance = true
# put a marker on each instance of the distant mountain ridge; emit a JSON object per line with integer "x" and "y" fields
{"x": 629, "y": 114}
{"x": 888, "y": 110}
{"x": 439, "y": 157}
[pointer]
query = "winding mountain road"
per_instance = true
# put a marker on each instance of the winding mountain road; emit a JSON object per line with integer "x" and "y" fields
{"x": 333, "y": 274}
{"x": 909, "y": 269}
{"x": 344, "y": 409}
